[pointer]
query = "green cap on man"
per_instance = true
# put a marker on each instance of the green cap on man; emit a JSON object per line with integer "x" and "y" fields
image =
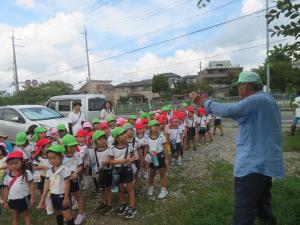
{"x": 248, "y": 77}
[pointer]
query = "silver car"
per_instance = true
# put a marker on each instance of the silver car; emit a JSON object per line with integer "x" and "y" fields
{"x": 17, "y": 118}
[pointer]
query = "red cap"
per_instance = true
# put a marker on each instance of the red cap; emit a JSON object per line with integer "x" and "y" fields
{"x": 145, "y": 121}
{"x": 39, "y": 145}
{"x": 14, "y": 155}
{"x": 201, "y": 110}
{"x": 190, "y": 109}
{"x": 82, "y": 133}
{"x": 103, "y": 126}
{"x": 161, "y": 120}
{"x": 139, "y": 126}
{"x": 174, "y": 118}
{"x": 90, "y": 134}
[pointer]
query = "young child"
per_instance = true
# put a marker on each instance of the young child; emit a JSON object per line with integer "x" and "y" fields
{"x": 208, "y": 126}
{"x": 175, "y": 138}
{"x": 58, "y": 184}
{"x": 39, "y": 133}
{"x": 55, "y": 136}
{"x": 101, "y": 158}
{"x": 104, "y": 127}
{"x": 96, "y": 124}
{"x": 155, "y": 146}
{"x": 151, "y": 116}
{"x": 201, "y": 124}
{"x": 61, "y": 130}
{"x": 76, "y": 164}
{"x": 218, "y": 124}
{"x": 145, "y": 122}
{"x": 121, "y": 156}
{"x": 84, "y": 154}
{"x": 3, "y": 139}
{"x": 141, "y": 148}
{"x": 111, "y": 121}
{"x": 132, "y": 119}
{"x": 40, "y": 163}
{"x": 87, "y": 126}
{"x": 30, "y": 132}
{"x": 3, "y": 154}
{"x": 191, "y": 124}
{"x": 23, "y": 146}
{"x": 19, "y": 193}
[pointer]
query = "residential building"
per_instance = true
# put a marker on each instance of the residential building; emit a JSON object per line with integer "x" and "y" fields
{"x": 190, "y": 79}
{"x": 99, "y": 87}
{"x": 135, "y": 92}
{"x": 218, "y": 75}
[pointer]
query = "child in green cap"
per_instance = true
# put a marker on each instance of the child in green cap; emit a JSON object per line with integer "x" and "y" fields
{"x": 121, "y": 156}
{"x": 58, "y": 183}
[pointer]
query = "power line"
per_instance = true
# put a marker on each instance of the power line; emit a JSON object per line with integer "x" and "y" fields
{"x": 161, "y": 42}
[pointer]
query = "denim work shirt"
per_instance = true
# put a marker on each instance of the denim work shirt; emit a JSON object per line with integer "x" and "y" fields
{"x": 259, "y": 140}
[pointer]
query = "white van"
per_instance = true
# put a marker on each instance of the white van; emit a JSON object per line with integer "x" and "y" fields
{"x": 91, "y": 104}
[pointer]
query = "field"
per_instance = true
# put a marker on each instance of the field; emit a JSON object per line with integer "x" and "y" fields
{"x": 200, "y": 192}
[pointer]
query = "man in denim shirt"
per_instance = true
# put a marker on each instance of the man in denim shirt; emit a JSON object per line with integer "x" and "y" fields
{"x": 259, "y": 155}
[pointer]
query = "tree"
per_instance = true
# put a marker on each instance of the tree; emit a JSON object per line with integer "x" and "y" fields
{"x": 37, "y": 94}
{"x": 290, "y": 29}
{"x": 160, "y": 84}
{"x": 283, "y": 74}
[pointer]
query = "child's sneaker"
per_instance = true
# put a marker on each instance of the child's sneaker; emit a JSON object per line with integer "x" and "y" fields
{"x": 122, "y": 209}
{"x": 162, "y": 194}
{"x": 79, "y": 219}
{"x": 150, "y": 191}
{"x": 108, "y": 210}
{"x": 101, "y": 207}
{"x": 130, "y": 213}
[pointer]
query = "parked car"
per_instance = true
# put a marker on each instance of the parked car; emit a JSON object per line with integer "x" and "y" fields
{"x": 17, "y": 118}
{"x": 91, "y": 104}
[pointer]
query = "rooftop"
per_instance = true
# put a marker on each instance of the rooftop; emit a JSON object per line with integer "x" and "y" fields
{"x": 142, "y": 83}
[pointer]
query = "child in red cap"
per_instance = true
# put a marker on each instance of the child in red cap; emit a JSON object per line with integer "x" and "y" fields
{"x": 19, "y": 194}
{"x": 175, "y": 137}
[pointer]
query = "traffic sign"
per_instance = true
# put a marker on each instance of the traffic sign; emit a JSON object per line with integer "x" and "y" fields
{"x": 34, "y": 82}
{"x": 28, "y": 82}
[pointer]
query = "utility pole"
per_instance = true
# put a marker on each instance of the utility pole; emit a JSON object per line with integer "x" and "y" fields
{"x": 87, "y": 55}
{"x": 15, "y": 69}
{"x": 268, "y": 48}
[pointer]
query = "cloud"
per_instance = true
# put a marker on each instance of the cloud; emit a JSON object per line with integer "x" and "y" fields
{"x": 26, "y": 3}
{"x": 250, "y": 6}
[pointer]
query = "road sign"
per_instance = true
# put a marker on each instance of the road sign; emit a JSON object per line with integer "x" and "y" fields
{"x": 34, "y": 82}
{"x": 28, "y": 82}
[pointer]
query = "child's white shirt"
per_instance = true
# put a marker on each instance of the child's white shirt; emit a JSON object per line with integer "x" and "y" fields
{"x": 140, "y": 142}
{"x": 201, "y": 121}
{"x": 191, "y": 122}
{"x": 20, "y": 188}
{"x": 38, "y": 173}
{"x": 110, "y": 141}
{"x": 57, "y": 179}
{"x": 175, "y": 134}
{"x": 101, "y": 156}
{"x": 73, "y": 162}
{"x": 2, "y": 172}
{"x": 156, "y": 145}
{"x": 119, "y": 154}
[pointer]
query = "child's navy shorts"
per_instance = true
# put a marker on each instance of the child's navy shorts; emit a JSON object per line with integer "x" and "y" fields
{"x": 19, "y": 205}
{"x": 126, "y": 175}
{"x": 74, "y": 185}
{"x": 57, "y": 201}
{"x": 161, "y": 160}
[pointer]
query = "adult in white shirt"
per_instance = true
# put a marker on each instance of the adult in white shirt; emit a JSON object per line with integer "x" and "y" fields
{"x": 297, "y": 113}
{"x": 106, "y": 111}
{"x": 76, "y": 118}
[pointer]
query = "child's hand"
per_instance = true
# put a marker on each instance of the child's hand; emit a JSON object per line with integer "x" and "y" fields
{"x": 32, "y": 201}
{"x": 5, "y": 205}
{"x": 127, "y": 161}
{"x": 42, "y": 204}
{"x": 66, "y": 202}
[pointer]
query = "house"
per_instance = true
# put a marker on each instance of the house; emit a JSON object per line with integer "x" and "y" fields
{"x": 173, "y": 78}
{"x": 135, "y": 92}
{"x": 190, "y": 79}
{"x": 219, "y": 74}
{"x": 99, "y": 87}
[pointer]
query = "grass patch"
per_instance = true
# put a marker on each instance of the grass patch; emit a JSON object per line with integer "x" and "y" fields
{"x": 292, "y": 143}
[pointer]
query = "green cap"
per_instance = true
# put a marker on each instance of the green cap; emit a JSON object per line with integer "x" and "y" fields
{"x": 36, "y": 131}
{"x": 153, "y": 123}
{"x": 95, "y": 120}
{"x": 248, "y": 77}
{"x": 57, "y": 149}
{"x": 184, "y": 104}
{"x": 69, "y": 140}
{"x": 127, "y": 126}
{"x": 144, "y": 115}
{"x": 97, "y": 134}
{"x": 21, "y": 138}
{"x": 151, "y": 113}
{"x": 133, "y": 117}
{"x": 61, "y": 127}
{"x": 110, "y": 118}
{"x": 166, "y": 108}
{"x": 117, "y": 131}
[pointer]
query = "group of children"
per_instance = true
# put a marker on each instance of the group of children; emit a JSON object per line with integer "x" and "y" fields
{"x": 114, "y": 153}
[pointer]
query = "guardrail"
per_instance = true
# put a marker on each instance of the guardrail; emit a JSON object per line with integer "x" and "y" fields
{"x": 283, "y": 100}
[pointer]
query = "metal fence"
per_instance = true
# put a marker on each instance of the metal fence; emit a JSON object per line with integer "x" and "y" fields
{"x": 283, "y": 100}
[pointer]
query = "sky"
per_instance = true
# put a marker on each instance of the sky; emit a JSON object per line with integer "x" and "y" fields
{"x": 51, "y": 46}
